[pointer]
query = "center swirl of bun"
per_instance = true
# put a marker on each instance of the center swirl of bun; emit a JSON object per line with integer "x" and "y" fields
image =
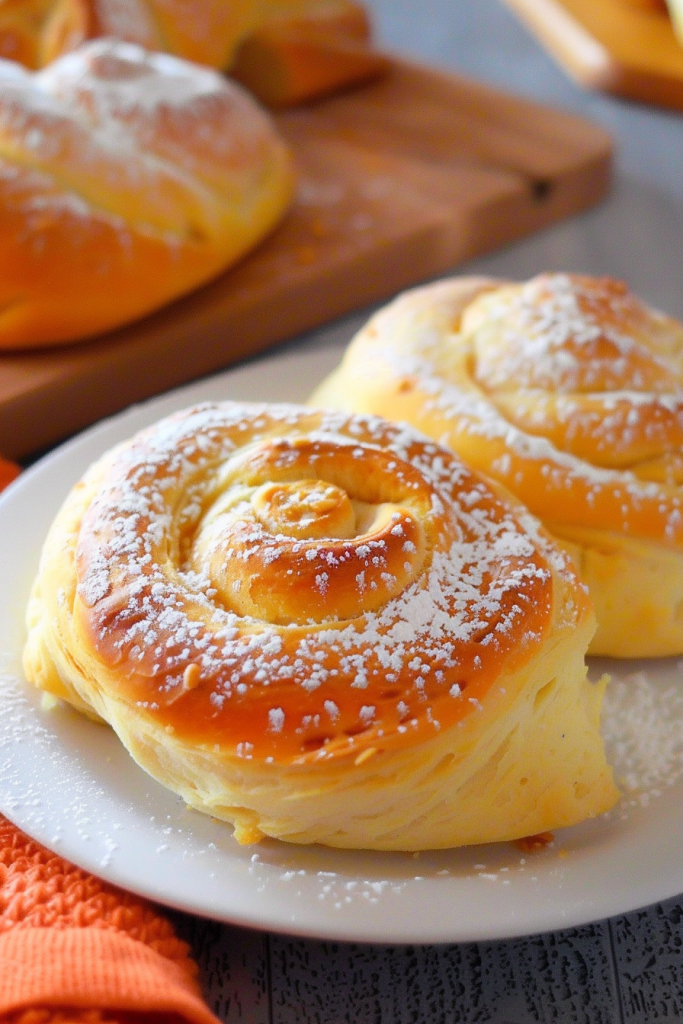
{"x": 305, "y": 531}
{"x": 307, "y": 509}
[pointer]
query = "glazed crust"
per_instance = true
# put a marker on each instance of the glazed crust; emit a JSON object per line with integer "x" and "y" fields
{"x": 323, "y": 628}
{"x": 126, "y": 179}
{"x": 569, "y": 392}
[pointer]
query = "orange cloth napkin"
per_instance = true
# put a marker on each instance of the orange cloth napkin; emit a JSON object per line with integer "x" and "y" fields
{"x": 8, "y": 471}
{"x": 74, "y": 950}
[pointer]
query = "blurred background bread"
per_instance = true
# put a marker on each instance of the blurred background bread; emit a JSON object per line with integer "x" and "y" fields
{"x": 299, "y": 55}
{"x": 126, "y": 179}
{"x": 284, "y": 51}
{"x": 36, "y": 32}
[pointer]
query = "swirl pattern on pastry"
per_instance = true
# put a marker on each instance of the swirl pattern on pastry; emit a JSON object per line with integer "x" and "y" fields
{"x": 127, "y": 178}
{"x": 568, "y": 391}
{"x": 298, "y": 619}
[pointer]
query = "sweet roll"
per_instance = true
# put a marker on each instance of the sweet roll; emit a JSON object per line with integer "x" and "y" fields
{"x": 568, "y": 391}
{"x": 325, "y": 629}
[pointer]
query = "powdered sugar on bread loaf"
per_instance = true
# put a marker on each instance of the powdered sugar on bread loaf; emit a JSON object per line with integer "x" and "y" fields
{"x": 144, "y": 134}
{"x": 127, "y": 178}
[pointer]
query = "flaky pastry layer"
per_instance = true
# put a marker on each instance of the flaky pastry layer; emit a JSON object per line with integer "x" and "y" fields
{"x": 567, "y": 391}
{"x": 323, "y": 628}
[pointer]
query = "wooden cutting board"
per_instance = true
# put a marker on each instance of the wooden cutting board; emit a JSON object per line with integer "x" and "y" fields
{"x": 398, "y": 181}
{"x": 611, "y": 46}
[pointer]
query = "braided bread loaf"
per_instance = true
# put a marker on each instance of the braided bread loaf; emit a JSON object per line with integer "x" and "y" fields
{"x": 569, "y": 392}
{"x": 323, "y": 628}
{"x": 126, "y": 179}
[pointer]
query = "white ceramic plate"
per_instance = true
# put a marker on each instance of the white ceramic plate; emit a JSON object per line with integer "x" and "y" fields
{"x": 69, "y": 783}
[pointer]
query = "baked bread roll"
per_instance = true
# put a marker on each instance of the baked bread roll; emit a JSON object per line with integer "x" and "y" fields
{"x": 569, "y": 392}
{"x": 126, "y": 179}
{"x": 36, "y": 32}
{"x": 325, "y": 629}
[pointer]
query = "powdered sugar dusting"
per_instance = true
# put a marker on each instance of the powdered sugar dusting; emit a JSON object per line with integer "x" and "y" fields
{"x": 157, "y": 604}
{"x": 643, "y": 730}
{"x": 567, "y": 333}
{"x": 572, "y": 386}
{"x": 126, "y": 131}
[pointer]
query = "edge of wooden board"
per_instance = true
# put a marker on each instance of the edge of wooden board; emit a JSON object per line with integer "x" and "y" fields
{"x": 625, "y": 52}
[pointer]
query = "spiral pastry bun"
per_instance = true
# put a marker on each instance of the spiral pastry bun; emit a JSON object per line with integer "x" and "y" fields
{"x": 127, "y": 178}
{"x": 569, "y": 392}
{"x": 323, "y": 628}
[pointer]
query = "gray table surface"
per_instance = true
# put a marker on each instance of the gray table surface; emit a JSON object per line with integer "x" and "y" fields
{"x": 629, "y": 969}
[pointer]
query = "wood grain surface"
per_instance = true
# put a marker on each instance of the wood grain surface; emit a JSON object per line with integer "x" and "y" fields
{"x": 627, "y": 970}
{"x": 398, "y": 181}
{"x": 611, "y": 45}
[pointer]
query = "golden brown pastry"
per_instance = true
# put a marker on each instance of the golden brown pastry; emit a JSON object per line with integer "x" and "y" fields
{"x": 36, "y": 32}
{"x": 650, "y": 6}
{"x": 284, "y": 51}
{"x": 300, "y": 56}
{"x": 568, "y": 391}
{"x": 323, "y": 628}
{"x": 126, "y": 179}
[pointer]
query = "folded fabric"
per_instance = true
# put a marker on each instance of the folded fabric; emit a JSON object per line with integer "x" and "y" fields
{"x": 74, "y": 950}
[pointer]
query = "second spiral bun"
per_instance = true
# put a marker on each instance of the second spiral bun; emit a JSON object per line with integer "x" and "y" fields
{"x": 568, "y": 391}
{"x": 323, "y": 628}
